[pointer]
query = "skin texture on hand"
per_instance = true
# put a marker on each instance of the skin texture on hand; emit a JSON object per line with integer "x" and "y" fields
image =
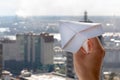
{"x": 88, "y": 65}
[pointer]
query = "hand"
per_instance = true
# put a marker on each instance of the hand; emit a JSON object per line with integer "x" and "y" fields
{"x": 88, "y": 65}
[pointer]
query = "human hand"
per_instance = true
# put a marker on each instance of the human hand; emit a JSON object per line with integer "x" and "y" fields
{"x": 88, "y": 66}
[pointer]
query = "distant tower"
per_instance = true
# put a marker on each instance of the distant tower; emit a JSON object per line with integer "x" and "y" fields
{"x": 85, "y": 16}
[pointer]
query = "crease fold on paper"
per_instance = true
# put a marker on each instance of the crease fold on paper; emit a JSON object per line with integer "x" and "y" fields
{"x": 74, "y": 34}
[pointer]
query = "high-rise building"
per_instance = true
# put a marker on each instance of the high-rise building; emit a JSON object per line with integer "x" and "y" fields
{"x": 31, "y": 51}
{"x": 47, "y": 48}
{"x": 70, "y": 68}
{"x": 36, "y": 48}
{"x": 11, "y": 56}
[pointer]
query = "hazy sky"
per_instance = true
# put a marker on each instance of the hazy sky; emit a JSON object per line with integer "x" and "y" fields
{"x": 59, "y": 7}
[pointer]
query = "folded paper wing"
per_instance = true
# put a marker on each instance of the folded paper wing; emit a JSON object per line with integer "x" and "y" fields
{"x": 74, "y": 34}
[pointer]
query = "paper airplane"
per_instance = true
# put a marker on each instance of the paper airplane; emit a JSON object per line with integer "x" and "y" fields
{"x": 74, "y": 34}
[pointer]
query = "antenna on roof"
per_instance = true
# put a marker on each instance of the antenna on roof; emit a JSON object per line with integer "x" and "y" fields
{"x": 85, "y": 17}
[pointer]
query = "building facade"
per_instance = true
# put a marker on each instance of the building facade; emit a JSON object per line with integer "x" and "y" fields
{"x": 29, "y": 50}
{"x": 69, "y": 66}
{"x": 112, "y": 49}
{"x": 112, "y": 60}
{"x": 37, "y": 49}
{"x": 11, "y": 57}
{"x": 1, "y": 60}
{"x": 47, "y": 49}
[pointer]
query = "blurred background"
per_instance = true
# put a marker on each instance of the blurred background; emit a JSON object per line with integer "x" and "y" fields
{"x": 30, "y": 46}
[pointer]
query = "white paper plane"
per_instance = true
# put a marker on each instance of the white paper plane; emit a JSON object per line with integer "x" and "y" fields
{"x": 75, "y": 34}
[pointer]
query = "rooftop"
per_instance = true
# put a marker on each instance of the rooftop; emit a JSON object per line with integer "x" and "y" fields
{"x": 47, "y": 76}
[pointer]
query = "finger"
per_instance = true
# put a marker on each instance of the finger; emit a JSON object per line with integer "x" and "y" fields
{"x": 80, "y": 54}
{"x": 90, "y": 46}
{"x": 95, "y": 42}
{"x": 83, "y": 50}
{"x": 96, "y": 46}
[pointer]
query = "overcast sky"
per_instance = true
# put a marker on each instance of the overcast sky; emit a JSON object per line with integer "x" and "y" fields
{"x": 59, "y": 7}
